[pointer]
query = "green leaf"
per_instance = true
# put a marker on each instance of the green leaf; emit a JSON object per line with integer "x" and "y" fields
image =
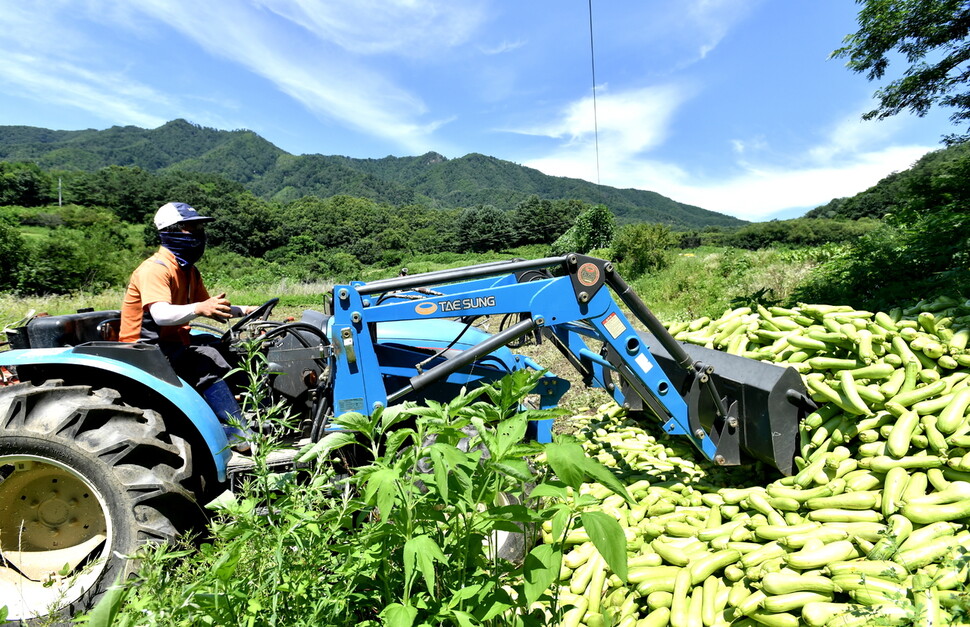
{"x": 608, "y": 538}
{"x": 354, "y": 421}
{"x": 382, "y": 490}
{"x": 463, "y": 593}
{"x": 439, "y": 466}
{"x": 559, "y": 522}
{"x": 549, "y": 491}
{"x": 397, "y": 615}
{"x": 540, "y": 570}
{"x": 509, "y": 433}
{"x": 601, "y": 473}
{"x": 494, "y": 604}
{"x": 330, "y": 442}
{"x": 433, "y": 409}
{"x": 421, "y": 551}
{"x": 394, "y": 441}
{"x": 464, "y": 619}
{"x": 517, "y": 469}
{"x": 392, "y": 415}
{"x": 106, "y": 611}
{"x": 224, "y": 502}
{"x": 567, "y": 460}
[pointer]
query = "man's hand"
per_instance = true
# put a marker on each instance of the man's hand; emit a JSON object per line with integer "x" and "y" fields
{"x": 217, "y": 308}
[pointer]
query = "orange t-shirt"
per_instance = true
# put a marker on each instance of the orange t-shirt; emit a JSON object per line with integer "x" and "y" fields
{"x": 159, "y": 279}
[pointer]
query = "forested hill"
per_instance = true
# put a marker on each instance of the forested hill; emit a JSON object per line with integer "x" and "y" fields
{"x": 272, "y": 173}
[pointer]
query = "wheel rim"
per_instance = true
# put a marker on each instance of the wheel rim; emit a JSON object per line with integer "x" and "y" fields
{"x": 55, "y": 535}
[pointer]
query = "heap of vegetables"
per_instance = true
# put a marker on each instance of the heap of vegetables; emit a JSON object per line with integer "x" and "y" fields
{"x": 874, "y": 528}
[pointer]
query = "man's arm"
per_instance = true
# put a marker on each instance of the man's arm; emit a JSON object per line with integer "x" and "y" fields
{"x": 217, "y": 308}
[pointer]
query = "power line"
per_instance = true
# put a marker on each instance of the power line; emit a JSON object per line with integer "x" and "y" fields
{"x": 592, "y": 61}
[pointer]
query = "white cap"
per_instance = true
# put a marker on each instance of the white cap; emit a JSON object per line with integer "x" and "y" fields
{"x": 175, "y": 212}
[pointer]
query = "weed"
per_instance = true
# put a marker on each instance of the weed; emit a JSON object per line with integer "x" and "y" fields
{"x": 417, "y": 535}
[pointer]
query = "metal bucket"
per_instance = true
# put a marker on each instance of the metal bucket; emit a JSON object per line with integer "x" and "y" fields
{"x": 765, "y": 403}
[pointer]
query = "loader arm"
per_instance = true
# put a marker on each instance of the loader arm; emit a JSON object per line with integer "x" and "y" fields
{"x": 729, "y": 407}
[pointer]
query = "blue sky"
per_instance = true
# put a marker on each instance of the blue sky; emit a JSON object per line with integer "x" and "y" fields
{"x": 731, "y": 105}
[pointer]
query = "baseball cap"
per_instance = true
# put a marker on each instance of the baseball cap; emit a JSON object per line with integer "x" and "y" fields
{"x": 175, "y": 212}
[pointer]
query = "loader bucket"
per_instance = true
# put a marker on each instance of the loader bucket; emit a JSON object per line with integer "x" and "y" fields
{"x": 767, "y": 401}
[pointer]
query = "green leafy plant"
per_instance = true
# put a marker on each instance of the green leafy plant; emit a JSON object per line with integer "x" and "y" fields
{"x": 420, "y": 531}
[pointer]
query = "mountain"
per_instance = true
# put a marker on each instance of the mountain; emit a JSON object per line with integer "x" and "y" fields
{"x": 939, "y": 174}
{"x": 268, "y": 171}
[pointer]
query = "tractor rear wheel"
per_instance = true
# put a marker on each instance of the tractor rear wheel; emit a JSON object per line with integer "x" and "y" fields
{"x": 85, "y": 481}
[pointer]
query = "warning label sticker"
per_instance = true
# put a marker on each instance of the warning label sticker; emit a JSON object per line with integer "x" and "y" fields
{"x": 614, "y": 325}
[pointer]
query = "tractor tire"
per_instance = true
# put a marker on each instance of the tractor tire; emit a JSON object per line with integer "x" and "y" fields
{"x": 85, "y": 481}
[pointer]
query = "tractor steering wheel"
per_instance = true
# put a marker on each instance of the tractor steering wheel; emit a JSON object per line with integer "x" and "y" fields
{"x": 262, "y": 312}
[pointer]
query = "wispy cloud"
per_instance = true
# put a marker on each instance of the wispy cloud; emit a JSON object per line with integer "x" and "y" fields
{"x": 402, "y": 27}
{"x": 849, "y": 158}
{"x": 502, "y": 47}
{"x": 110, "y": 96}
{"x": 324, "y": 69}
{"x": 764, "y": 191}
{"x": 711, "y": 20}
{"x": 635, "y": 120}
{"x": 313, "y": 52}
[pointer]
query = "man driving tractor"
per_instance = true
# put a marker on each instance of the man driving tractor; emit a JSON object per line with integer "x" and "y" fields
{"x": 165, "y": 294}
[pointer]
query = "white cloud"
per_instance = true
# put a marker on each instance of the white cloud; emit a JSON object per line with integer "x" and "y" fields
{"x": 110, "y": 96}
{"x": 850, "y": 158}
{"x": 323, "y": 78}
{"x": 632, "y": 121}
{"x": 502, "y": 47}
{"x": 711, "y": 20}
{"x": 757, "y": 194}
{"x": 310, "y": 51}
{"x": 403, "y": 27}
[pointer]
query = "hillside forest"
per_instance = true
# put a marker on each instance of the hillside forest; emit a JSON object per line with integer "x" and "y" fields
{"x": 69, "y": 231}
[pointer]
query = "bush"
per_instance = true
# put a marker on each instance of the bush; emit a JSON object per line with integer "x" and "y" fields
{"x": 13, "y": 252}
{"x": 70, "y": 260}
{"x": 403, "y": 540}
{"x": 642, "y": 248}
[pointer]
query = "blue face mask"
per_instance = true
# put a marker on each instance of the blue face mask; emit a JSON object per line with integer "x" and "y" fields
{"x": 187, "y": 247}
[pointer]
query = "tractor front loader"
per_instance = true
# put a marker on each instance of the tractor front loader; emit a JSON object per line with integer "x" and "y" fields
{"x": 103, "y": 448}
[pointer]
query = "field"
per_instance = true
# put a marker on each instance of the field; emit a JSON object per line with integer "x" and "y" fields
{"x": 636, "y": 527}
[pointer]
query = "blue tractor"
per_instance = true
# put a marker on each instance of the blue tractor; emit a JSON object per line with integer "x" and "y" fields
{"x": 103, "y": 448}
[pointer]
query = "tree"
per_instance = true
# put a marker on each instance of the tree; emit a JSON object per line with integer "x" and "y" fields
{"x": 24, "y": 184}
{"x": 642, "y": 248}
{"x": 13, "y": 252}
{"x": 131, "y": 193}
{"x": 541, "y": 221}
{"x": 595, "y": 228}
{"x": 934, "y": 38}
{"x": 484, "y": 228}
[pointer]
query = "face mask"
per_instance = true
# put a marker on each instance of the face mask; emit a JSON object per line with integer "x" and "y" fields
{"x": 187, "y": 247}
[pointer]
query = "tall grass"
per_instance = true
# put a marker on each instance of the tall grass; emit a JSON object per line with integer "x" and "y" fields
{"x": 706, "y": 281}
{"x": 702, "y": 282}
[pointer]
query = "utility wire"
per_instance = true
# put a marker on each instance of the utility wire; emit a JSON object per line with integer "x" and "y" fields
{"x": 592, "y": 60}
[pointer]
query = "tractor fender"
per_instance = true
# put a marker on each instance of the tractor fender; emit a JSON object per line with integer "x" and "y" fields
{"x": 139, "y": 371}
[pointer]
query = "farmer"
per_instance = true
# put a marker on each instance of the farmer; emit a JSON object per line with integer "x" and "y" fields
{"x": 164, "y": 294}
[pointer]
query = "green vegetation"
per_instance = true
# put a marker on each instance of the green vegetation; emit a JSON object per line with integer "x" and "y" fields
{"x": 408, "y": 539}
{"x": 921, "y": 249}
{"x": 933, "y": 37}
{"x": 254, "y": 164}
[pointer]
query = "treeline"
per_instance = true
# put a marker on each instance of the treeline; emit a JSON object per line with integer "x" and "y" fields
{"x": 921, "y": 247}
{"x": 906, "y": 238}
{"x": 796, "y": 233}
{"x": 63, "y": 231}
{"x": 246, "y": 158}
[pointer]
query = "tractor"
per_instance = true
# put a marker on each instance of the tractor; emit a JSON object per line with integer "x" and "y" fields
{"x": 103, "y": 448}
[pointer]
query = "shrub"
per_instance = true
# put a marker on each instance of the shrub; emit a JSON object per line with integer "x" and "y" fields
{"x": 403, "y": 540}
{"x": 642, "y": 248}
{"x": 13, "y": 252}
